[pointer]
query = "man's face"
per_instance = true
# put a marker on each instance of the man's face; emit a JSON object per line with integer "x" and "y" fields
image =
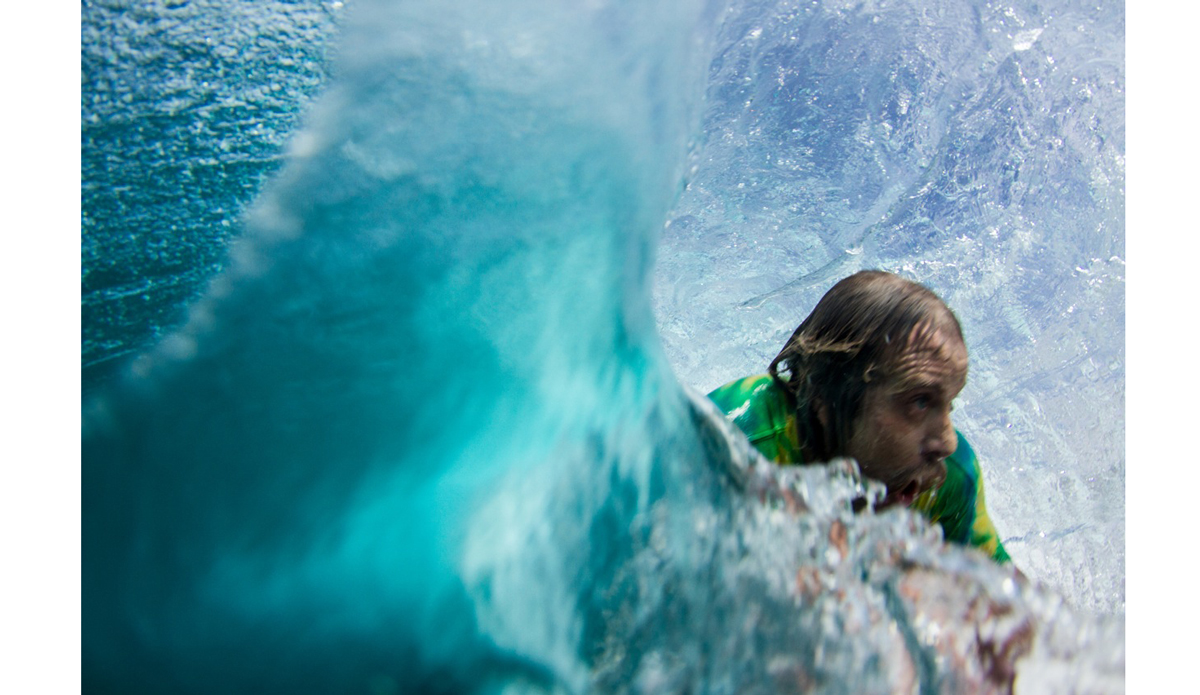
{"x": 903, "y": 434}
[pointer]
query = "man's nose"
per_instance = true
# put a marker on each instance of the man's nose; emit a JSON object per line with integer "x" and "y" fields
{"x": 943, "y": 440}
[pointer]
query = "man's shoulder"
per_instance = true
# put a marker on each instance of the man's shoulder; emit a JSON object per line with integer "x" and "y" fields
{"x": 756, "y": 404}
{"x": 963, "y": 460}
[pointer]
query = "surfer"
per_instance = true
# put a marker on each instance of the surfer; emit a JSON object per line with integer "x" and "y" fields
{"x": 871, "y": 374}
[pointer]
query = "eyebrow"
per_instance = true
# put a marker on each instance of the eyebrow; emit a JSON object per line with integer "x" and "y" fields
{"x": 902, "y": 385}
{"x": 911, "y": 377}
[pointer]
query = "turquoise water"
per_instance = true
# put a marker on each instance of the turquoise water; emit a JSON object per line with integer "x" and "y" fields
{"x": 405, "y": 414}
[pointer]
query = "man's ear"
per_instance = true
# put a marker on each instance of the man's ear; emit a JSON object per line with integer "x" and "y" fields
{"x": 822, "y": 411}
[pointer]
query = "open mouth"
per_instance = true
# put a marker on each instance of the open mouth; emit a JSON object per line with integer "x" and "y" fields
{"x": 902, "y": 496}
{"x": 905, "y": 495}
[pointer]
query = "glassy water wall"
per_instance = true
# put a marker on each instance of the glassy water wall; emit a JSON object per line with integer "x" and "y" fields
{"x": 975, "y": 147}
{"x": 420, "y": 432}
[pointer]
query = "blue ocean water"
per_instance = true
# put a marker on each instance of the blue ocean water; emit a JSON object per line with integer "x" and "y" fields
{"x": 411, "y": 408}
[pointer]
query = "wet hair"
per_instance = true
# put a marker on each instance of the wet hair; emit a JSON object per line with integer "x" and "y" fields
{"x": 851, "y": 339}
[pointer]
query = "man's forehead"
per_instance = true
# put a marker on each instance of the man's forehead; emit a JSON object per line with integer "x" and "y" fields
{"x": 938, "y": 360}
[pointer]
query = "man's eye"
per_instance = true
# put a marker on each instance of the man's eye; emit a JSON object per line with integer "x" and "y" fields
{"x": 922, "y": 402}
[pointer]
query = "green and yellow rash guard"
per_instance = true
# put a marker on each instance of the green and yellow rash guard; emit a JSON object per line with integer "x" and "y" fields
{"x": 760, "y": 408}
